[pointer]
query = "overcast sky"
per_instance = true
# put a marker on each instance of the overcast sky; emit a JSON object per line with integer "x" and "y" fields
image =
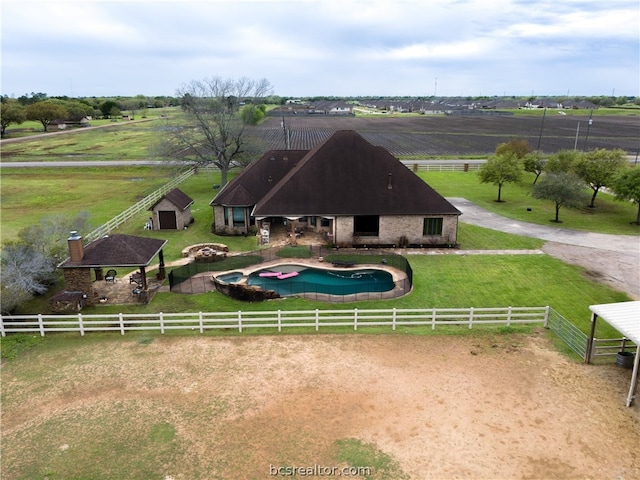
{"x": 323, "y": 47}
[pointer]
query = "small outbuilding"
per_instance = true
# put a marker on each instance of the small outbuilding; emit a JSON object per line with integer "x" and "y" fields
{"x": 172, "y": 211}
{"x": 115, "y": 250}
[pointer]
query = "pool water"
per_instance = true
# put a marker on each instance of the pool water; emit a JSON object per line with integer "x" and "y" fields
{"x": 317, "y": 280}
{"x": 233, "y": 277}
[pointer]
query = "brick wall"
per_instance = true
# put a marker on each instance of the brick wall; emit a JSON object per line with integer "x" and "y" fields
{"x": 79, "y": 280}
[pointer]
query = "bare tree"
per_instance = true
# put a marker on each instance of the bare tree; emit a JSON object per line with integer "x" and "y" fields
{"x": 214, "y": 131}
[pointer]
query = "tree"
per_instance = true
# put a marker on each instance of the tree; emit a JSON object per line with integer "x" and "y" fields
{"x": 215, "y": 130}
{"x": 109, "y": 108}
{"x": 520, "y": 147}
{"x": 562, "y": 161}
{"x": 534, "y": 163}
{"x": 501, "y": 169}
{"x": 598, "y": 167}
{"x": 11, "y": 112}
{"x": 45, "y": 112}
{"x": 25, "y": 272}
{"x": 565, "y": 189}
{"x": 626, "y": 187}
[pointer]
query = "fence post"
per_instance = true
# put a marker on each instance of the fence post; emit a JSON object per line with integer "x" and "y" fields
{"x": 80, "y": 325}
{"x": 470, "y": 318}
{"x": 239, "y": 321}
{"x": 317, "y": 319}
{"x": 2, "y": 332}
{"x": 121, "y": 318}
{"x": 161, "y": 323}
{"x": 509, "y": 316}
{"x": 592, "y": 352}
{"x": 433, "y": 319}
{"x": 546, "y": 316}
{"x": 41, "y": 325}
{"x": 355, "y": 319}
{"x": 393, "y": 319}
{"x": 279, "y": 320}
{"x": 200, "y": 322}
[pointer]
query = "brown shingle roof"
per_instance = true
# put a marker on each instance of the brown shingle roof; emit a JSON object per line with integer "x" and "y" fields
{"x": 258, "y": 178}
{"x": 346, "y": 175}
{"x": 117, "y": 250}
{"x": 176, "y": 196}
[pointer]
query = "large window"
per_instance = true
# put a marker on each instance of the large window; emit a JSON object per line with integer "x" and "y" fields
{"x": 432, "y": 226}
{"x": 366, "y": 226}
{"x": 238, "y": 217}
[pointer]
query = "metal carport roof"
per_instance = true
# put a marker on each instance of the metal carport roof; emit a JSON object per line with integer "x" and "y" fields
{"x": 625, "y": 318}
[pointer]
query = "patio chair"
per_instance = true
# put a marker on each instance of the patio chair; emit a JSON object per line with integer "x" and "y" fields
{"x": 110, "y": 277}
{"x": 135, "y": 278}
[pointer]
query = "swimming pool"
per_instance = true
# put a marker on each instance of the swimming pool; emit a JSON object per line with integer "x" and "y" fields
{"x": 296, "y": 279}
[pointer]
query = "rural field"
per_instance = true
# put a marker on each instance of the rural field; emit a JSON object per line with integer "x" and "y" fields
{"x": 489, "y": 403}
{"x": 460, "y": 135}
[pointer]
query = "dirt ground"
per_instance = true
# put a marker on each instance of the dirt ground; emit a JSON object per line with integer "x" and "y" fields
{"x": 486, "y": 406}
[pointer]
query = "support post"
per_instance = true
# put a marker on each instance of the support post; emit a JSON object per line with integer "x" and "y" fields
{"x": 588, "y": 354}
{"x": 634, "y": 378}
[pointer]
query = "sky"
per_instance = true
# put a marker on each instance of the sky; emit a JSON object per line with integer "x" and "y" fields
{"x": 340, "y": 48}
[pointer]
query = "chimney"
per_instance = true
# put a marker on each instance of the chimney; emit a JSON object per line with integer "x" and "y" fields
{"x": 76, "y": 250}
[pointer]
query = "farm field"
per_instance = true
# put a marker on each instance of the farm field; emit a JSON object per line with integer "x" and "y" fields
{"x": 459, "y": 135}
{"x": 481, "y": 406}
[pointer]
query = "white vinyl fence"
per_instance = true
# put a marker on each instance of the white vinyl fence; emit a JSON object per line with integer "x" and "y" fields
{"x": 241, "y": 321}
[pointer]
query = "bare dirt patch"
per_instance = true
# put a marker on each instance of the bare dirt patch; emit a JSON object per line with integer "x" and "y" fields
{"x": 485, "y": 406}
{"x": 616, "y": 269}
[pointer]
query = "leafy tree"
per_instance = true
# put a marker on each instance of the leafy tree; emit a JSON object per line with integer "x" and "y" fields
{"x": 501, "y": 169}
{"x": 626, "y": 187}
{"x": 562, "y": 161}
{"x": 77, "y": 110}
{"x": 11, "y": 112}
{"x": 251, "y": 114}
{"x": 565, "y": 189}
{"x": 520, "y": 147}
{"x": 215, "y": 131}
{"x": 598, "y": 167}
{"x": 535, "y": 163}
{"x": 107, "y": 107}
{"x": 45, "y": 112}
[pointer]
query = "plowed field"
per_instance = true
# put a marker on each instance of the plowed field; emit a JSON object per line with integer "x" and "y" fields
{"x": 457, "y": 134}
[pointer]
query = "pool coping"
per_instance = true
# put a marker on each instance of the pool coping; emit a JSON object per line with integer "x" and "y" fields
{"x": 398, "y": 276}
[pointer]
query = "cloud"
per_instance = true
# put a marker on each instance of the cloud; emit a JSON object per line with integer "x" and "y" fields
{"x": 322, "y": 47}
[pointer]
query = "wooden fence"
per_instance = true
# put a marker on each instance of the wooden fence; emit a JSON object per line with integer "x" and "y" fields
{"x": 277, "y": 320}
{"x": 140, "y": 206}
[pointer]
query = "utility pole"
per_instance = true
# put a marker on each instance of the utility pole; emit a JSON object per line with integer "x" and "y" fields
{"x": 544, "y": 114}
{"x": 588, "y": 128}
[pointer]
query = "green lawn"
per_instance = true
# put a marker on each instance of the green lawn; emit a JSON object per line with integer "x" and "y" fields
{"x": 609, "y": 216}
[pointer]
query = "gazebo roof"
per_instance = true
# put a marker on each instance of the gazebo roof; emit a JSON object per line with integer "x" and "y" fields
{"x": 118, "y": 250}
{"x": 623, "y": 316}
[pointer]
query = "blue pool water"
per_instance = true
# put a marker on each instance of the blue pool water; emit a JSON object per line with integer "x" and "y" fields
{"x": 232, "y": 277}
{"x": 317, "y": 280}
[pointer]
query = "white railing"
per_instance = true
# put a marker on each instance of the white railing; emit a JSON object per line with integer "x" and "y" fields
{"x": 608, "y": 347}
{"x": 442, "y": 167}
{"x": 140, "y": 206}
{"x": 241, "y": 320}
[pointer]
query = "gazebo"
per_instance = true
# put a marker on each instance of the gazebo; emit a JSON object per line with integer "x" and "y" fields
{"x": 115, "y": 250}
{"x": 625, "y": 318}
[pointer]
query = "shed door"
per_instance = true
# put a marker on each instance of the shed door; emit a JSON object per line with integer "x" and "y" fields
{"x": 167, "y": 219}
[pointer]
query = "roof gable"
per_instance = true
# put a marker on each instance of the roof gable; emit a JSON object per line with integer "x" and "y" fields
{"x": 346, "y": 175}
{"x": 176, "y": 196}
{"x": 258, "y": 178}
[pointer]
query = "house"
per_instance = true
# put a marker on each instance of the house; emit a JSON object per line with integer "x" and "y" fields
{"x": 353, "y": 192}
{"x": 172, "y": 211}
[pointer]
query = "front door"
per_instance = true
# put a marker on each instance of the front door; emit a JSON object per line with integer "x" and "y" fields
{"x": 167, "y": 220}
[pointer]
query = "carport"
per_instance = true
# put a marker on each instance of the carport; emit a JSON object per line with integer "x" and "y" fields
{"x": 625, "y": 318}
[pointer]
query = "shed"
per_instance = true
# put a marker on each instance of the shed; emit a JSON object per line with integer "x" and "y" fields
{"x": 172, "y": 211}
{"x": 625, "y": 318}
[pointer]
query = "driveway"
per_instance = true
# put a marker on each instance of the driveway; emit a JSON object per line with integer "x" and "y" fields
{"x": 612, "y": 259}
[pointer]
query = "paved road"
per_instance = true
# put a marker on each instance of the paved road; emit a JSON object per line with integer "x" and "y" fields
{"x": 476, "y": 215}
